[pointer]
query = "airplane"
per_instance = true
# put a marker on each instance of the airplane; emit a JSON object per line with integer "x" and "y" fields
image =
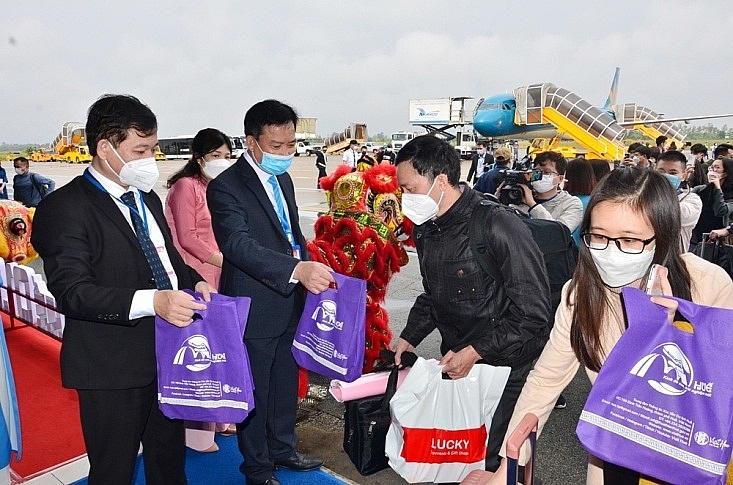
{"x": 494, "y": 117}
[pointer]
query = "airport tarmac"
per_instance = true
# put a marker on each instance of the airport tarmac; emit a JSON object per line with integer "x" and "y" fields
{"x": 561, "y": 458}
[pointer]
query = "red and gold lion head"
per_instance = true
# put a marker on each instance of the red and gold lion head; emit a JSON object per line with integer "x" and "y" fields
{"x": 362, "y": 235}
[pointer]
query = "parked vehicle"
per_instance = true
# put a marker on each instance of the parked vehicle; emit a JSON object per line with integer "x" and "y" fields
{"x": 70, "y": 146}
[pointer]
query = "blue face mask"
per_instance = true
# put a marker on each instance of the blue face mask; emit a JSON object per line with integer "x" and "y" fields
{"x": 673, "y": 179}
{"x": 275, "y": 164}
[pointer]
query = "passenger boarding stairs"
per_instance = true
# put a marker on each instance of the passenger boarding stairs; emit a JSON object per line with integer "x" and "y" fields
{"x": 72, "y": 134}
{"x": 630, "y": 112}
{"x": 339, "y": 142}
{"x": 590, "y": 126}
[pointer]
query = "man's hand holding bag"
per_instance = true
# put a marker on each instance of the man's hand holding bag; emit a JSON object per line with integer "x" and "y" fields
{"x": 331, "y": 332}
{"x": 203, "y": 369}
{"x": 440, "y": 427}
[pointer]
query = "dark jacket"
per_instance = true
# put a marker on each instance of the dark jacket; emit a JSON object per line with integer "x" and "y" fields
{"x": 507, "y": 323}
{"x": 487, "y": 183}
{"x": 94, "y": 264}
{"x": 473, "y": 169}
{"x": 258, "y": 259}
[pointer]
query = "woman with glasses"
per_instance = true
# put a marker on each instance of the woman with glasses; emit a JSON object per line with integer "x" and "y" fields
{"x": 632, "y": 221}
{"x": 717, "y": 199}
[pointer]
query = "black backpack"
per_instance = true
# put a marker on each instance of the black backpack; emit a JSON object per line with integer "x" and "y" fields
{"x": 559, "y": 251}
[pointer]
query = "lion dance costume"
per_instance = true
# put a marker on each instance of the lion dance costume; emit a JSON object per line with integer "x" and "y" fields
{"x": 362, "y": 236}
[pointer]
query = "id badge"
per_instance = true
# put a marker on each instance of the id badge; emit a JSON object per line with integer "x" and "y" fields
{"x": 296, "y": 251}
{"x": 166, "y": 260}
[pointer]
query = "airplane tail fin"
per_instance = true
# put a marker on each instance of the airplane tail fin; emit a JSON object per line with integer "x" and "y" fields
{"x": 611, "y": 100}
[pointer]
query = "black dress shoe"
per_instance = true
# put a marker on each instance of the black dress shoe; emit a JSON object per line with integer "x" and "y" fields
{"x": 270, "y": 481}
{"x": 299, "y": 463}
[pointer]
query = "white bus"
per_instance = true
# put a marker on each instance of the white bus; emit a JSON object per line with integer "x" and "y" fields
{"x": 176, "y": 147}
{"x": 179, "y": 147}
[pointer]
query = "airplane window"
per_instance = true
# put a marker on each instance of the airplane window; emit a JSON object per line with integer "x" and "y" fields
{"x": 491, "y": 106}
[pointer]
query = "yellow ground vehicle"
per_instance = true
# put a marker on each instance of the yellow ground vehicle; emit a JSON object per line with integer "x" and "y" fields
{"x": 69, "y": 146}
{"x": 159, "y": 155}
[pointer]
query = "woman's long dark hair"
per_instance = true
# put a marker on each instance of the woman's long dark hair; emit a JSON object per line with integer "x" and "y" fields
{"x": 645, "y": 191}
{"x": 205, "y": 142}
{"x": 727, "y": 185}
{"x": 579, "y": 177}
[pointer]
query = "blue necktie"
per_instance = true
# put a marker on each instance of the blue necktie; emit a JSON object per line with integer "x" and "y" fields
{"x": 281, "y": 209}
{"x": 162, "y": 282}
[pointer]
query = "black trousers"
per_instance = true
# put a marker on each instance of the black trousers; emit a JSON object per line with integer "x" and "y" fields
{"x": 268, "y": 433}
{"x": 115, "y": 422}
{"x": 503, "y": 414}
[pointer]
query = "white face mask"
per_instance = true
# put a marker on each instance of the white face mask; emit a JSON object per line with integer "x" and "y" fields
{"x": 141, "y": 173}
{"x": 618, "y": 268}
{"x": 215, "y": 167}
{"x": 19, "y": 171}
{"x": 544, "y": 185}
{"x": 420, "y": 208}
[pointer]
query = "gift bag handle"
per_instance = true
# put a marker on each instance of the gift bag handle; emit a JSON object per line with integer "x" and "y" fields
{"x": 198, "y": 314}
{"x": 691, "y": 311}
{"x": 391, "y": 388}
{"x": 342, "y": 280}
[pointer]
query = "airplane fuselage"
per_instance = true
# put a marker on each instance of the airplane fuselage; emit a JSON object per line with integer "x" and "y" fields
{"x": 494, "y": 118}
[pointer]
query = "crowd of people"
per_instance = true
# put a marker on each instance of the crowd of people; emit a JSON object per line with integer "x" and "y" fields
{"x": 628, "y": 219}
{"x": 233, "y": 227}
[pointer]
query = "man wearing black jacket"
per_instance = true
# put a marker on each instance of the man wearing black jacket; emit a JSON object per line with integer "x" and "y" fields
{"x": 480, "y": 320}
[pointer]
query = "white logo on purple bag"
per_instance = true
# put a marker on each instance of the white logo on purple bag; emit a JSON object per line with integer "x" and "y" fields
{"x": 669, "y": 371}
{"x": 325, "y": 316}
{"x": 195, "y": 353}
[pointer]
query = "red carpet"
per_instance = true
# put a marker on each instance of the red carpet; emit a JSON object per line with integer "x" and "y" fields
{"x": 49, "y": 414}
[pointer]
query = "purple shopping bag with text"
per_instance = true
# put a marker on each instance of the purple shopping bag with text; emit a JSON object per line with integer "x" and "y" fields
{"x": 203, "y": 369}
{"x": 331, "y": 332}
{"x": 662, "y": 404}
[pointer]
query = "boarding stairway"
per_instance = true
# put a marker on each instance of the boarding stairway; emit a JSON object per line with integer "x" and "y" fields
{"x": 340, "y": 142}
{"x": 590, "y": 126}
{"x": 628, "y": 113}
{"x": 72, "y": 134}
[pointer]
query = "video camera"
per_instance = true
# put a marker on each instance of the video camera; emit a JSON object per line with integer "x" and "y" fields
{"x": 510, "y": 192}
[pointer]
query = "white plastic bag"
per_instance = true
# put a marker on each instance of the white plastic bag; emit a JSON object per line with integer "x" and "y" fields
{"x": 440, "y": 427}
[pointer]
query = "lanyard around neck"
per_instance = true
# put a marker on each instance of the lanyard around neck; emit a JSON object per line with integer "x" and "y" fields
{"x": 143, "y": 216}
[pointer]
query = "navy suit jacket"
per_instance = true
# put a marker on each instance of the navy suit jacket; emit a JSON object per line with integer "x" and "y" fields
{"x": 94, "y": 265}
{"x": 258, "y": 259}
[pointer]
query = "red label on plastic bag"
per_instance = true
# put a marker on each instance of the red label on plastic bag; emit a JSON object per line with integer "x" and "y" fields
{"x": 429, "y": 445}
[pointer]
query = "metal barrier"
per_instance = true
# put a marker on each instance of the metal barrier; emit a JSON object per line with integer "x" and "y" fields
{"x": 24, "y": 297}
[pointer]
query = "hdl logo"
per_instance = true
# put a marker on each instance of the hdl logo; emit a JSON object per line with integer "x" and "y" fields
{"x": 195, "y": 354}
{"x": 670, "y": 372}
{"x": 325, "y": 316}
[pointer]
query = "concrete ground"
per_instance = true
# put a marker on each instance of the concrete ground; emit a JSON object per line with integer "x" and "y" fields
{"x": 561, "y": 458}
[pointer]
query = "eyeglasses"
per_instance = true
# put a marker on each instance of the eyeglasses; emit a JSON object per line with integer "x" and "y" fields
{"x": 550, "y": 173}
{"x": 628, "y": 245}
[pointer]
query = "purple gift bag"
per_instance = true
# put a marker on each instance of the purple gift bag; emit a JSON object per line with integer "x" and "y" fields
{"x": 662, "y": 404}
{"x": 203, "y": 369}
{"x": 331, "y": 332}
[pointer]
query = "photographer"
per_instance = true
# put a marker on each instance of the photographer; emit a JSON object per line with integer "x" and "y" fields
{"x": 545, "y": 199}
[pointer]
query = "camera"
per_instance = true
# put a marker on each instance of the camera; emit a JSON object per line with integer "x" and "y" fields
{"x": 511, "y": 193}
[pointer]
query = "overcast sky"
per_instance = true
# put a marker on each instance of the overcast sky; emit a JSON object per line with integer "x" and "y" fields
{"x": 203, "y": 63}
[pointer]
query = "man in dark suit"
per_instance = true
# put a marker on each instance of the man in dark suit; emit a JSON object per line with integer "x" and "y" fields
{"x": 255, "y": 221}
{"x": 480, "y": 163}
{"x": 109, "y": 284}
